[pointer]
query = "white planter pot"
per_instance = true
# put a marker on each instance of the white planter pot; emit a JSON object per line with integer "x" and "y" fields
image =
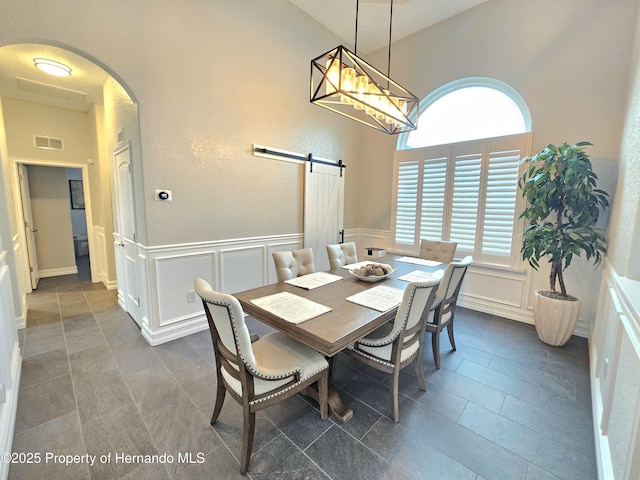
{"x": 555, "y": 319}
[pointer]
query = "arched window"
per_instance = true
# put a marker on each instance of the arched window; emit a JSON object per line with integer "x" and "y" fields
{"x": 468, "y": 109}
{"x": 456, "y": 176}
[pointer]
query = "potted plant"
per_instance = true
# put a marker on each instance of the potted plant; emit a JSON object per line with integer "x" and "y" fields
{"x": 563, "y": 206}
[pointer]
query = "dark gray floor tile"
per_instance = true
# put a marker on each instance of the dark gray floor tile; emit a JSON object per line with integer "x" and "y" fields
{"x": 134, "y": 357}
{"x": 466, "y": 447}
{"x": 45, "y": 366}
{"x": 42, "y": 319}
{"x": 467, "y": 388}
{"x": 177, "y": 355}
{"x": 283, "y": 457}
{"x": 408, "y": 453}
{"x": 101, "y": 394}
{"x": 149, "y": 471}
{"x": 532, "y": 446}
{"x": 81, "y": 320}
{"x": 154, "y": 387}
{"x": 341, "y": 456}
{"x": 59, "y": 436}
{"x": 178, "y": 428}
{"x": 437, "y": 398}
{"x": 44, "y": 401}
{"x": 90, "y": 362}
{"x": 574, "y": 433}
{"x": 536, "y": 473}
{"x": 298, "y": 420}
{"x": 364, "y": 417}
{"x": 120, "y": 432}
{"x": 42, "y": 339}
{"x": 199, "y": 381}
{"x": 84, "y": 338}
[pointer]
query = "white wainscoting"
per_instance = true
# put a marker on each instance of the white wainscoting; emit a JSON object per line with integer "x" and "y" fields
{"x": 10, "y": 362}
{"x": 238, "y": 264}
{"x": 228, "y": 265}
{"x": 615, "y": 377}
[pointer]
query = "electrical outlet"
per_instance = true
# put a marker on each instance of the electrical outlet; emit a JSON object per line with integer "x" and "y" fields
{"x": 191, "y": 296}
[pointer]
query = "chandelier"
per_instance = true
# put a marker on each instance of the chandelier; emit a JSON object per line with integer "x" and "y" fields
{"x": 346, "y": 84}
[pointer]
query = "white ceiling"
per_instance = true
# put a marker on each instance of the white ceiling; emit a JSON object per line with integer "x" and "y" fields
{"x": 77, "y": 92}
{"x": 84, "y": 87}
{"x": 409, "y": 17}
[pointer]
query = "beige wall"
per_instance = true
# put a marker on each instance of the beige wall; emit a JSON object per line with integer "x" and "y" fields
{"x": 51, "y": 212}
{"x": 625, "y": 218}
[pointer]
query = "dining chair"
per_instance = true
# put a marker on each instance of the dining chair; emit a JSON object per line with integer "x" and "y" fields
{"x": 396, "y": 344}
{"x": 443, "y": 308}
{"x": 293, "y": 263}
{"x": 437, "y": 250}
{"x": 259, "y": 374}
{"x": 342, "y": 254}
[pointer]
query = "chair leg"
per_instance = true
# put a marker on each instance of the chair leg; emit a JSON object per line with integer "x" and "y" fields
{"x": 220, "y": 394}
{"x": 395, "y": 380}
{"x": 247, "y": 438}
{"x": 435, "y": 345}
{"x": 420, "y": 372}
{"x": 450, "y": 332}
{"x": 323, "y": 394}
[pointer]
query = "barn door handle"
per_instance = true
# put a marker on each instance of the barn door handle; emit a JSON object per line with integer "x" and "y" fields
{"x": 341, "y": 233}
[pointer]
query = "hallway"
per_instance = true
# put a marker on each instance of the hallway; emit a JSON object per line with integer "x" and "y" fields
{"x": 504, "y": 405}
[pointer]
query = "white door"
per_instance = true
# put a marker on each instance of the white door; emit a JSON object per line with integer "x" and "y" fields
{"x": 29, "y": 228}
{"x": 125, "y": 244}
{"x": 323, "y": 210}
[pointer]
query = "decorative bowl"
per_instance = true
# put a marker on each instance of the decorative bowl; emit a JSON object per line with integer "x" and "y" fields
{"x": 373, "y": 278}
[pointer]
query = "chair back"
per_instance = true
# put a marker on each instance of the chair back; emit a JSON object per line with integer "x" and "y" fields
{"x": 229, "y": 332}
{"x": 449, "y": 289}
{"x": 418, "y": 298}
{"x": 437, "y": 250}
{"x": 342, "y": 254}
{"x": 294, "y": 263}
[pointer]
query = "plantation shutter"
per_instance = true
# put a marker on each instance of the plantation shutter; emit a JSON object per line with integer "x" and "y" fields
{"x": 434, "y": 181}
{"x": 407, "y": 200}
{"x": 500, "y": 202}
{"x": 464, "y": 206}
{"x": 466, "y": 193}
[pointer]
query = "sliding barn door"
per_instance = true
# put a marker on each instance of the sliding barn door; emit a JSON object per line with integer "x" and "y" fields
{"x": 323, "y": 210}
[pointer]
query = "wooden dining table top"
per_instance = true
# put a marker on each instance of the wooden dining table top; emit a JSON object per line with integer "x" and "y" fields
{"x": 347, "y": 322}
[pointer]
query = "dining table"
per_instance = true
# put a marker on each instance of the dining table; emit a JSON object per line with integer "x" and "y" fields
{"x": 337, "y": 320}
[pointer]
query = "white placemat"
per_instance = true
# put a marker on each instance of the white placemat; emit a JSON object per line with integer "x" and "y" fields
{"x": 419, "y": 276}
{"x": 313, "y": 280}
{"x": 419, "y": 261}
{"x": 381, "y": 298}
{"x": 290, "y": 307}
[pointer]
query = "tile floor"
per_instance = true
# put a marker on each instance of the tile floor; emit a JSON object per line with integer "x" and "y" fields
{"x": 504, "y": 405}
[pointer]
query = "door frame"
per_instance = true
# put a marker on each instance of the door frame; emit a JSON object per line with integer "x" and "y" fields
{"x": 25, "y": 274}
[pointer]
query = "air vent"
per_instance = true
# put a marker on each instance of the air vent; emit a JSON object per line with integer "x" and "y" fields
{"x": 48, "y": 143}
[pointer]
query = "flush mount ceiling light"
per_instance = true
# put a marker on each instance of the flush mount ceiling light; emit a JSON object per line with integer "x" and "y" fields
{"x": 344, "y": 83}
{"x": 52, "y": 67}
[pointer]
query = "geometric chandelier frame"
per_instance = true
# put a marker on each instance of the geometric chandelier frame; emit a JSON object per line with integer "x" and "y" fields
{"x": 346, "y": 84}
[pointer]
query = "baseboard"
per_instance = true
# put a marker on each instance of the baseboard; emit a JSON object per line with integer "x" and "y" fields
{"x": 9, "y": 408}
{"x": 174, "y": 332}
{"x": 56, "y": 272}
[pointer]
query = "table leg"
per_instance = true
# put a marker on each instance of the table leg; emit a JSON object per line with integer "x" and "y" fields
{"x": 337, "y": 409}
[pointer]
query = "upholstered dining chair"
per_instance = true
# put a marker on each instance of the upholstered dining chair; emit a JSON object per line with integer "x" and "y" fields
{"x": 342, "y": 254}
{"x": 258, "y": 374}
{"x": 443, "y": 308}
{"x": 291, "y": 264}
{"x": 437, "y": 250}
{"x": 396, "y": 344}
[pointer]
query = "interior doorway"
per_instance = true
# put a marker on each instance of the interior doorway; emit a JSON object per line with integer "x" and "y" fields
{"x": 53, "y": 204}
